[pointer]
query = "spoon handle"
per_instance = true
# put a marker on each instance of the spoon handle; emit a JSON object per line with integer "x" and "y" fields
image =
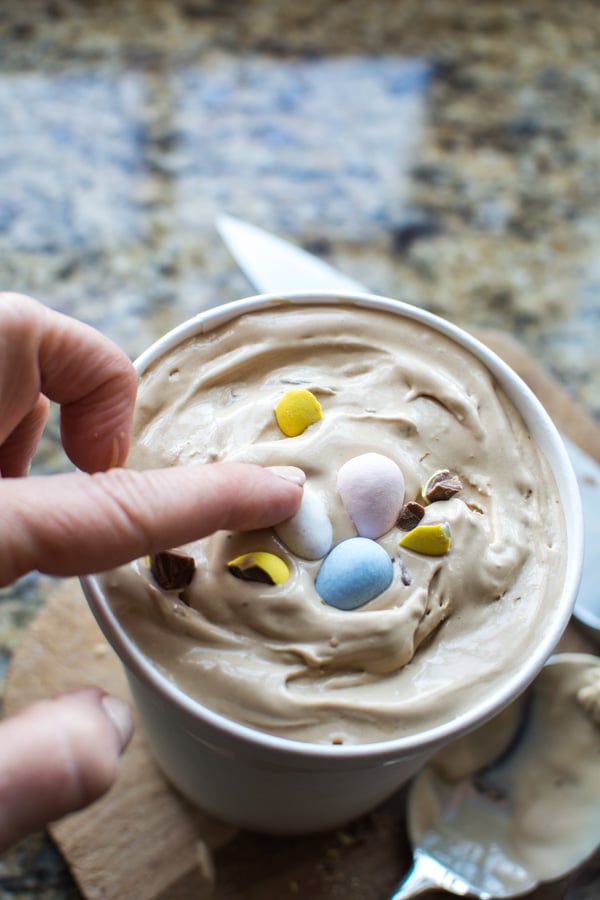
{"x": 427, "y": 874}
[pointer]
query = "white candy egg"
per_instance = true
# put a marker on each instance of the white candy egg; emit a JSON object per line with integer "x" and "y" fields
{"x": 308, "y": 533}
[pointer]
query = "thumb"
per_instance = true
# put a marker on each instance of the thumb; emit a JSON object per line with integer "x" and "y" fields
{"x": 57, "y": 756}
{"x": 78, "y": 524}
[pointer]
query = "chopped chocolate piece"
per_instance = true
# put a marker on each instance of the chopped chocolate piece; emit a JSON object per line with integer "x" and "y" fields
{"x": 251, "y": 573}
{"x": 172, "y": 571}
{"x": 405, "y": 576}
{"x": 410, "y": 515}
{"x": 442, "y": 486}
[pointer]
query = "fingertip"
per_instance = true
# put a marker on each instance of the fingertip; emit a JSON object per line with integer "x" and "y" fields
{"x": 57, "y": 756}
{"x": 83, "y": 755}
{"x": 119, "y": 450}
{"x": 95, "y": 430}
{"x": 115, "y": 711}
{"x": 289, "y": 473}
{"x": 119, "y": 715}
{"x": 264, "y": 495}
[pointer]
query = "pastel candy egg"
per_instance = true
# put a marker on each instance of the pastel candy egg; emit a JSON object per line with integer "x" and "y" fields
{"x": 371, "y": 487}
{"x": 266, "y": 568}
{"x": 431, "y": 540}
{"x": 357, "y": 570}
{"x": 308, "y": 533}
{"x": 296, "y": 410}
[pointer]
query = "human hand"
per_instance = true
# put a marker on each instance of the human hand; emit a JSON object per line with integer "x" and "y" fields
{"x": 88, "y": 521}
{"x": 80, "y": 523}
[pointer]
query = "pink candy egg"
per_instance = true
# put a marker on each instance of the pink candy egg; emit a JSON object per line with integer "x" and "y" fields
{"x": 371, "y": 487}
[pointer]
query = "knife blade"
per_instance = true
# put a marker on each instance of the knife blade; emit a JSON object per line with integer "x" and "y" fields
{"x": 272, "y": 265}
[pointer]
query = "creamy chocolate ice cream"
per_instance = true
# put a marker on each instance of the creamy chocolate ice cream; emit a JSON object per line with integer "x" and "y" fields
{"x": 452, "y": 621}
{"x": 519, "y": 798}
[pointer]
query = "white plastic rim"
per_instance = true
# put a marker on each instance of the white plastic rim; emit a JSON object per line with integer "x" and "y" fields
{"x": 544, "y": 433}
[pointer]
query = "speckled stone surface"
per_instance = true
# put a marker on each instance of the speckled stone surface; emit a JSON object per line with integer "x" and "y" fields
{"x": 447, "y": 154}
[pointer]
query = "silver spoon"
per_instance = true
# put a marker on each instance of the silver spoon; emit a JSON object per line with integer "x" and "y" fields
{"x": 516, "y": 803}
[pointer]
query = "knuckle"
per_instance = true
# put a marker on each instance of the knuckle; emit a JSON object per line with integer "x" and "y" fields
{"x": 126, "y": 494}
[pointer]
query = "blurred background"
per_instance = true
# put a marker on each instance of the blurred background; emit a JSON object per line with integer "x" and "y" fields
{"x": 443, "y": 153}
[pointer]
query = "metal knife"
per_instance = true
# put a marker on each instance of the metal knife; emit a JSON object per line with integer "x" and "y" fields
{"x": 272, "y": 264}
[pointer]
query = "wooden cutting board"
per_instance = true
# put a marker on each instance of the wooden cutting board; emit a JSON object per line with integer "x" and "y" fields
{"x": 143, "y": 842}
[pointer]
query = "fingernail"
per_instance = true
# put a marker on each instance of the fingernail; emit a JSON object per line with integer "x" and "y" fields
{"x": 118, "y": 454}
{"x": 289, "y": 473}
{"x": 120, "y": 715}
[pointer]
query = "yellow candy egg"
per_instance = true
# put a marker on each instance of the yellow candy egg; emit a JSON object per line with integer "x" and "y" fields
{"x": 296, "y": 410}
{"x": 259, "y": 566}
{"x": 431, "y": 540}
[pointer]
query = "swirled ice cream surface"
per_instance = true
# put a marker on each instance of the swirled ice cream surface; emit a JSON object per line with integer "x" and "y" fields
{"x": 448, "y": 628}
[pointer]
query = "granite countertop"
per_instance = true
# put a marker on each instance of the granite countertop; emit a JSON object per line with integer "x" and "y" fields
{"x": 447, "y": 154}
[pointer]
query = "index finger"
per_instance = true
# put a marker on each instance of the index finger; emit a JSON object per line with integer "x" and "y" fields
{"x": 74, "y": 365}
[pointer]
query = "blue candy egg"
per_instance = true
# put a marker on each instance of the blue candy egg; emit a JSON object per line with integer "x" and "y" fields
{"x": 354, "y": 572}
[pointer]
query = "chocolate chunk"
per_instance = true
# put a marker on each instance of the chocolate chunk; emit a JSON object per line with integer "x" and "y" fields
{"x": 172, "y": 571}
{"x": 405, "y": 576}
{"x": 410, "y": 515}
{"x": 442, "y": 486}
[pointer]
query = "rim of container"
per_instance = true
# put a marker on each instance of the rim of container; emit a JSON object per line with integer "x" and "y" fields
{"x": 534, "y": 414}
